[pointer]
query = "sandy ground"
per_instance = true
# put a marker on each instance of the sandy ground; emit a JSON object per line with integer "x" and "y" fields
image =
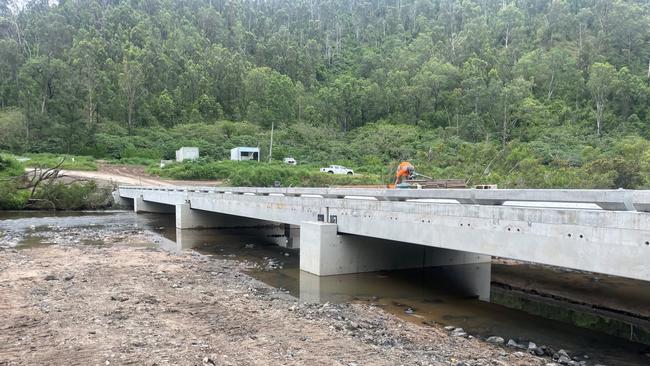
{"x": 120, "y": 304}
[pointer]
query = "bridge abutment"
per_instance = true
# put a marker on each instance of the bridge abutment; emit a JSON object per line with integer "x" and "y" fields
{"x": 119, "y": 201}
{"x": 324, "y": 252}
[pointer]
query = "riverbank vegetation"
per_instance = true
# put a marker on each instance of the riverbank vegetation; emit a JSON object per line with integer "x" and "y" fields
{"x": 45, "y": 188}
{"x": 522, "y": 93}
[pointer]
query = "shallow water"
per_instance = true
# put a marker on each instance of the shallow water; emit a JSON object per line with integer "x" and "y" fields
{"x": 420, "y": 296}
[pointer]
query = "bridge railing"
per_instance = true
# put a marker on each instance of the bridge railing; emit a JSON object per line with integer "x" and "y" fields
{"x": 615, "y": 200}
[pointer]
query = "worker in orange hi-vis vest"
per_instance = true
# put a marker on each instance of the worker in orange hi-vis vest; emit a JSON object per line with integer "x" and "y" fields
{"x": 405, "y": 170}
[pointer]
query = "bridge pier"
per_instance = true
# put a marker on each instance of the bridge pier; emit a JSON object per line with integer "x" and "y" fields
{"x": 140, "y": 205}
{"x": 324, "y": 252}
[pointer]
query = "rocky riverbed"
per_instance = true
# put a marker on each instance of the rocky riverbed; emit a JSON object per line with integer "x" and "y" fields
{"x": 70, "y": 303}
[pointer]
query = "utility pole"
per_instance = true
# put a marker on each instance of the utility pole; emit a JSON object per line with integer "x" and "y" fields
{"x": 271, "y": 145}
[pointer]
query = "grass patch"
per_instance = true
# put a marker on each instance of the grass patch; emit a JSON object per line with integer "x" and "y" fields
{"x": 71, "y": 162}
{"x": 254, "y": 174}
{"x": 132, "y": 161}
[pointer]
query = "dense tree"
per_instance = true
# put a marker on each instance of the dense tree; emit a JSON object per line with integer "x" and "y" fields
{"x": 488, "y": 72}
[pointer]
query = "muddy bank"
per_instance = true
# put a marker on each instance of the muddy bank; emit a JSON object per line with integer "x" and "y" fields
{"x": 75, "y": 304}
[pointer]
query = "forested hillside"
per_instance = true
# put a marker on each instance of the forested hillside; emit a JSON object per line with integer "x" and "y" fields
{"x": 522, "y": 93}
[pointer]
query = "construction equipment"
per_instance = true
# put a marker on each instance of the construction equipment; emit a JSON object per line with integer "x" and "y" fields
{"x": 405, "y": 170}
{"x": 407, "y": 177}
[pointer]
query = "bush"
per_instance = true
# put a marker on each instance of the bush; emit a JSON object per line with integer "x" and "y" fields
{"x": 10, "y": 197}
{"x": 10, "y": 167}
{"x": 73, "y": 196}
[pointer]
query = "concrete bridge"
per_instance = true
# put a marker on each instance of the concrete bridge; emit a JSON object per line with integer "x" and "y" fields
{"x": 345, "y": 230}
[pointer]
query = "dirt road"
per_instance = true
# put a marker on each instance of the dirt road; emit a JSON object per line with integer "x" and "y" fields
{"x": 118, "y": 305}
{"x": 131, "y": 175}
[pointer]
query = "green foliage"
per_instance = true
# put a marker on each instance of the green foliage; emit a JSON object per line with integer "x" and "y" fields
{"x": 250, "y": 174}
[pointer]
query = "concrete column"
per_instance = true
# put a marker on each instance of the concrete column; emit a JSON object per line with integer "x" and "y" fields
{"x": 324, "y": 252}
{"x": 140, "y": 205}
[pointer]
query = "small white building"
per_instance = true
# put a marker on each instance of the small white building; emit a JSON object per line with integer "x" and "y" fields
{"x": 245, "y": 153}
{"x": 187, "y": 153}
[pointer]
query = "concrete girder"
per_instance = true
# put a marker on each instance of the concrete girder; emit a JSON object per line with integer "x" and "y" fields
{"x": 141, "y": 205}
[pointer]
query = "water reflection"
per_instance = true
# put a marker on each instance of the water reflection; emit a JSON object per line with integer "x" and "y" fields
{"x": 451, "y": 281}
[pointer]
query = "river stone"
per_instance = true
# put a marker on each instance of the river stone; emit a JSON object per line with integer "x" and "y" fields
{"x": 495, "y": 340}
{"x": 458, "y": 332}
{"x": 564, "y": 360}
{"x": 449, "y": 328}
{"x": 512, "y": 343}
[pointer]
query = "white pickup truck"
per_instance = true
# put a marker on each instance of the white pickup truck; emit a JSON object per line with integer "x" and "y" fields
{"x": 337, "y": 169}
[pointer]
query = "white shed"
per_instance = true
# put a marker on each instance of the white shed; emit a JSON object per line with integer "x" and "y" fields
{"x": 245, "y": 153}
{"x": 187, "y": 153}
